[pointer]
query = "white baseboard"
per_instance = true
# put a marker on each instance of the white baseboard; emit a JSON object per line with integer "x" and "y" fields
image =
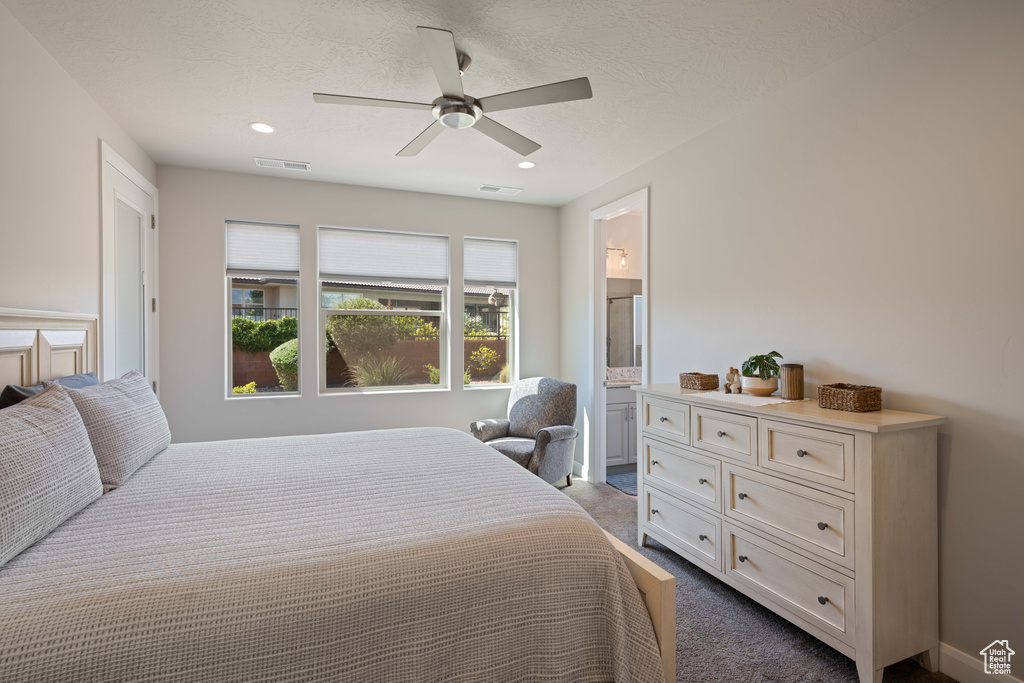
{"x": 970, "y": 669}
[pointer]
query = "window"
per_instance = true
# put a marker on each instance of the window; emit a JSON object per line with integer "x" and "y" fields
{"x": 246, "y": 303}
{"x": 262, "y": 269}
{"x": 489, "y": 296}
{"x": 383, "y": 310}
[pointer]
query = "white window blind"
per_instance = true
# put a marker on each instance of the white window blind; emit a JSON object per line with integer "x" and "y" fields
{"x": 380, "y": 255}
{"x": 254, "y": 248}
{"x": 490, "y": 262}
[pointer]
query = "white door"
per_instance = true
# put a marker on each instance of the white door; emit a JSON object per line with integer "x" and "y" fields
{"x": 128, "y": 319}
{"x": 130, "y": 290}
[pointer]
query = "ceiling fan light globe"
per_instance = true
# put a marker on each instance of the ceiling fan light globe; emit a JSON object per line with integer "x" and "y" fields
{"x": 456, "y": 113}
{"x": 457, "y": 119}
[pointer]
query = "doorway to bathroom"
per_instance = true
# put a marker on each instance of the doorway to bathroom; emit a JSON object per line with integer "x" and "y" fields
{"x": 619, "y": 332}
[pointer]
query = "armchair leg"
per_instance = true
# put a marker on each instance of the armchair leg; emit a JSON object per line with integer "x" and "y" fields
{"x": 568, "y": 480}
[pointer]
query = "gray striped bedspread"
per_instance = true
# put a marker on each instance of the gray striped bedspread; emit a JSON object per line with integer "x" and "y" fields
{"x": 398, "y": 555}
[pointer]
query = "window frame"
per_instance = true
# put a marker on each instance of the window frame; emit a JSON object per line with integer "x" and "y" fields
{"x": 229, "y": 287}
{"x": 442, "y": 336}
{"x": 443, "y": 316}
{"x": 230, "y": 351}
{"x": 513, "y": 319}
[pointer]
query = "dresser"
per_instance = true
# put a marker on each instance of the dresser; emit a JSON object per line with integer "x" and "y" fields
{"x": 827, "y": 518}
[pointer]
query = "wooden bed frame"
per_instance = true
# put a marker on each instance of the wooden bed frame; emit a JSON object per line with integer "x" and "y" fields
{"x": 41, "y": 345}
{"x": 658, "y": 589}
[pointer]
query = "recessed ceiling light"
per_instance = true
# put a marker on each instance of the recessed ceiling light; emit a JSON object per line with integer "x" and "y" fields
{"x": 526, "y": 164}
{"x": 262, "y": 127}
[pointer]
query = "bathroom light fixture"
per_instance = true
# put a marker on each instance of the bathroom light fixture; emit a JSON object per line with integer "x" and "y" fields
{"x": 622, "y": 255}
{"x": 260, "y": 127}
{"x": 526, "y": 164}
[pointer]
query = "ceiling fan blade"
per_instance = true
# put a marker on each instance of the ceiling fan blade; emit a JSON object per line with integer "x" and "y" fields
{"x": 422, "y": 140}
{"x": 440, "y": 47}
{"x": 324, "y": 98}
{"x": 565, "y": 91}
{"x": 506, "y": 136}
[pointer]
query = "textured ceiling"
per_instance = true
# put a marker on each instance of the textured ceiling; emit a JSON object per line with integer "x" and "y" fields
{"x": 185, "y": 77}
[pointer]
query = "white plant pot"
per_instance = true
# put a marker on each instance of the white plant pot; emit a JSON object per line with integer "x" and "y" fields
{"x": 755, "y": 386}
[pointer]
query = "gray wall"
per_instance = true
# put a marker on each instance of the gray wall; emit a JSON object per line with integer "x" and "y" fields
{"x": 193, "y": 207}
{"x": 868, "y": 222}
{"x": 50, "y": 132}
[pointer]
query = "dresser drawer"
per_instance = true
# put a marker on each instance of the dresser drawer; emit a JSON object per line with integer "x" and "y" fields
{"x": 684, "y": 473}
{"x": 666, "y": 419}
{"x": 816, "y": 455}
{"x": 692, "y": 530}
{"x": 728, "y": 434}
{"x": 812, "y": 520}
{"x": 816, "y": 594}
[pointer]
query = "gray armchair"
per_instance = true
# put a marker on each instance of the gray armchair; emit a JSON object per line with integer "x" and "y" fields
{"x": 538, "y": 432}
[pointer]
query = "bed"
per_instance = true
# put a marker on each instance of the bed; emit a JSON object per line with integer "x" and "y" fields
{"x": 409, "y": 554}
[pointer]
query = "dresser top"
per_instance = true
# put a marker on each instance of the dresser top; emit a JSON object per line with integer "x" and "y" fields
{"x": 806, "y": 411}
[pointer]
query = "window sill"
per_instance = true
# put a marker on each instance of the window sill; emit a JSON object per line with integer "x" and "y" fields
{"x": 485, "y": 387}
{"x": 263, "y": 396}
{"x": 372, "y": 392}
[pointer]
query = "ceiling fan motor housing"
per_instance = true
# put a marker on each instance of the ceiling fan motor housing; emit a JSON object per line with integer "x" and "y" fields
{"x": 456, "y": 113}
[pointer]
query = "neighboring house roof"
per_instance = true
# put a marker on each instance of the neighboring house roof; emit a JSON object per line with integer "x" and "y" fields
{"x": 406, "y": 287}
{"x": 261, "y": 281}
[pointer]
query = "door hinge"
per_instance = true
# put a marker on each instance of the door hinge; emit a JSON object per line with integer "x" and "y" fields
{"x": 152, "y": 221}
{"x": 154, "y": 304}
{"x": 154, "y": 387}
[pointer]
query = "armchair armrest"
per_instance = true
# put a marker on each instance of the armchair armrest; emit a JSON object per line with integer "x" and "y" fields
{"x": 485, "y": 430}
{"x": 553, "y": 454}
{"x": 557, "y": 433}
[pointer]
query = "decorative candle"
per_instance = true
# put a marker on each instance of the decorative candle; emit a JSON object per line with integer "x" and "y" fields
{"x": 791, "y": 381}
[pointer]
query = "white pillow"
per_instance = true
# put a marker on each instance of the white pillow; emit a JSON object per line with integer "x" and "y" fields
{"x": 47, "y": 468}
{"x": 126, "y": 425}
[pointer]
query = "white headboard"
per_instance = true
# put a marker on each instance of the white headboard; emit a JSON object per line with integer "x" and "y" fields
{"x": 41, "y": 345}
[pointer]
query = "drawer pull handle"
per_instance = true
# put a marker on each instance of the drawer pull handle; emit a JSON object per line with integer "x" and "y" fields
{"x": 720, "y": 434}
{"x": 742, "y": 558}
{"x": 801, "y": 453}
{"x": 654, "y": 462}
{"x": 741, "y": 496}
{"x": 703, "y": 537}
{"x": 702, "y": 481}
{"x": 822, "y": 526}
{"x": 663, "y": 418}
{"x": 822, "y": 600}
{"x": 654, "y": 512}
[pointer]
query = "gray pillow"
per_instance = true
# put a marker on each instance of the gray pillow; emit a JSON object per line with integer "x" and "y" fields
{"x": 126, "y": 425}
{"x": 13, "y": 394}
{"x": 47, "y": 468}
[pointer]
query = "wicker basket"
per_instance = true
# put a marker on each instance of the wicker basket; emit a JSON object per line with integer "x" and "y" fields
{"x": 697, "y": 380}
{"x": 853, "y": 398}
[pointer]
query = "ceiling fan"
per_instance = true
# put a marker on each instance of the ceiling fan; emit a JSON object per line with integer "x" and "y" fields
{"x": 456, "y": 109}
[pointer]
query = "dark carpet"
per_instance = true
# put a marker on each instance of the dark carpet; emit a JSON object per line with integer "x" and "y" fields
{"x": 723, "y": 635}
{"x": 623, "y": 481}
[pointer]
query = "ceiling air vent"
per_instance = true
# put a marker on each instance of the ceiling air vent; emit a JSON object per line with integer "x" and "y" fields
{"x": 497, "y": 189}
{"x": 281, "y": 163}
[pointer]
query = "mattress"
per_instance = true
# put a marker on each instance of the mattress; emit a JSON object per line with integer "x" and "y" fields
{"x": 397, "y": 555}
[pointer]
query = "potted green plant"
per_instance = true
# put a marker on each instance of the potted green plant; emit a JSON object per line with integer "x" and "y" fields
{"x": 760, "y": 374}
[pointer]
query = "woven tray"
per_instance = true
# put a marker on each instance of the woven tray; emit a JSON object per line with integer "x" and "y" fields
{"x": 853, "y": 398}
{"x": 697, "y": 380}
